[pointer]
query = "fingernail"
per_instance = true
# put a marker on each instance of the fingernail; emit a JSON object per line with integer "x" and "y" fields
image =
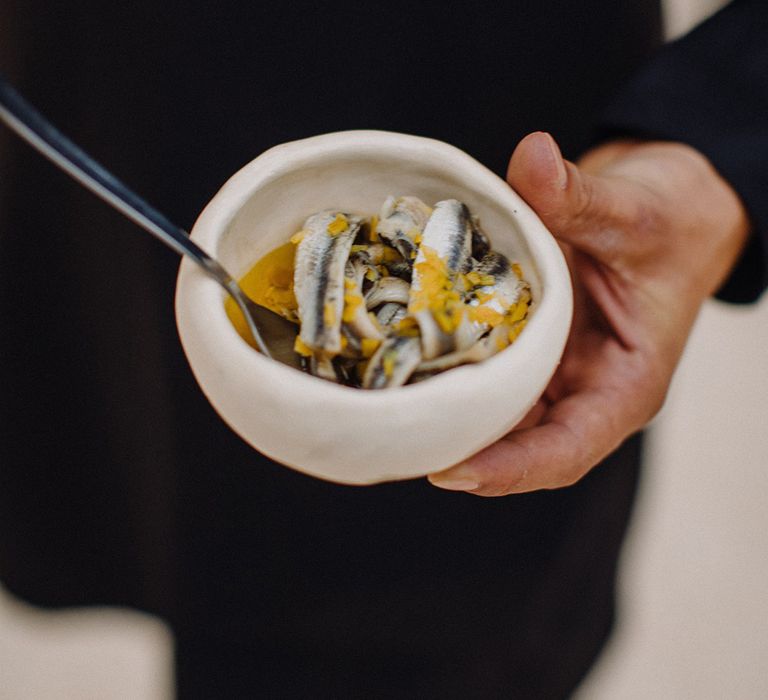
{"x": 557, "y": 158}
{"x": 453, "y": 481}
{"x": 455, "y": 484}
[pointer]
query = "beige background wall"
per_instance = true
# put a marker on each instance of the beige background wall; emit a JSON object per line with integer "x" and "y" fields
{"x": 694, "y": 577}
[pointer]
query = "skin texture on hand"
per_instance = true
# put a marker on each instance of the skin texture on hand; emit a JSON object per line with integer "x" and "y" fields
{"x": 649, "y": 230}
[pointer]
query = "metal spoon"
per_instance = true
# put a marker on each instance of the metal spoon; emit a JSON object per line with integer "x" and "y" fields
{"x": 31, "y": 126}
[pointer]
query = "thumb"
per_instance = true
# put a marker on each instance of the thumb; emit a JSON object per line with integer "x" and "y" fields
{"x": 575, "y": 206}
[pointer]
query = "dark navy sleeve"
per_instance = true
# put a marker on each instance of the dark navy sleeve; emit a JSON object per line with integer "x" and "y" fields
{"x": 709, "y": 89}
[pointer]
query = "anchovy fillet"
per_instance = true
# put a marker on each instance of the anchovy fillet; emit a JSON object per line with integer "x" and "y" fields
{"x": 391, "y": 313}
{"x": 447, "y": 244}
{"x": 496, "y": 296}
{"x": 357, "y": 322}
{"x": 402, "y": 219}
{"x": 388, "y": 289}
{"x": 393, "y": 363}
{"x": 321, "y": 257}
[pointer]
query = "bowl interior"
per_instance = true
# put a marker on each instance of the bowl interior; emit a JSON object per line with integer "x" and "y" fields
{"x": 359, "y": 180}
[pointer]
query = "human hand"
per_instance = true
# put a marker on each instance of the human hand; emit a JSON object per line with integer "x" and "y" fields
{"x": 649, "y": 230}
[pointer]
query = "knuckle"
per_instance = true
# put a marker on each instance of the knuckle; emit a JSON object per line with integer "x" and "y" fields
{"x": 511, "y": 481}
{"x": 651, "y": 384}
{"x": 585, "y": 199}
{"x": 573, "y": 475}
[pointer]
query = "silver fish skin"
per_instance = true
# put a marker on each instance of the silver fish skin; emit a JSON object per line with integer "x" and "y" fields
{"x": 401, "y": 354}
{"x": 378, "y": 252}
{"x": 448, "y": 234}
{"x": 379, "y": 255}
{"x": 391, "y": 313}
{"x": 484, "y": 348}
{"x": 400, "y": 220}
{"x": 401, "y": 269}
{"x": 507, "y": 285}
{"x": 388, "y": 289}
{"x": 362, "y": 325}
{"x": 499, "y": 296}
{"x": 480, "y": 242}
{"x": 321, "y": 365}
{"x": 319, "y": 279}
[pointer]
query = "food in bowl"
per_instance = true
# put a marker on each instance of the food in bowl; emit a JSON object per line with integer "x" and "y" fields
{"x": 393, "y": 298}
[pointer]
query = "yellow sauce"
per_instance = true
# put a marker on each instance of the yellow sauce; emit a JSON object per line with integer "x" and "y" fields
{"x": 269, "y": 283}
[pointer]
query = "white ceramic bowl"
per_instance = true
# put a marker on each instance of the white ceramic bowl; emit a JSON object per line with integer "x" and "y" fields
{"x": 351, "y": 435}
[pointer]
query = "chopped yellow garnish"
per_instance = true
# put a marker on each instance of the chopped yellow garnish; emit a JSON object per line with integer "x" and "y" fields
{"x": 329, "y": 314}
{"x": 358, "y": 248}
{"x": 297, "y": 237}
{"x": 301, "y": 347}
{"x": 448, "y": 319}
{"x": 373, "y": 235}
{"x": 389, "y": 364}
{"x": 370, "y": 275}
{"x": 414, "y": 234}
{"x": 517, "y": 270}
{"x": 516, "y": 329}
{"x": 485, "y": 314}
{"x": 433, "y": 274}
{"x": 484, "y": 297}
{"x": 409, "y": 333}
{"x": 520, "y": 310}
{"x": 436, "y": 292}
{"x": 349, "y": 283}
{"x": 407, "y": 327}
{"x": 517, "y": 313}
{"x": 368, "y": 346}
{"x": 352, "y": 301}
{"x": 338, "y": 225}
{"x": 478, "y": 280}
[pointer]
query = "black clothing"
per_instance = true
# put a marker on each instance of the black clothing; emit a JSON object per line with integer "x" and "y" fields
{"x": 710, "y": 90}
{"x": 119, "y": 482}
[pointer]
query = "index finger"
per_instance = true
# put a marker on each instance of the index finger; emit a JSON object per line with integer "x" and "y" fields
{"x": 574, "y": 435}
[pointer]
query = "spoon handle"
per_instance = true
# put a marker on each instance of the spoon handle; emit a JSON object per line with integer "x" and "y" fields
{"x": 36, "y": 130}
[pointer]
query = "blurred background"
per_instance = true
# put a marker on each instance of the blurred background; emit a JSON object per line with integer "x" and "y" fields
{"x": 693, "y": 602}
